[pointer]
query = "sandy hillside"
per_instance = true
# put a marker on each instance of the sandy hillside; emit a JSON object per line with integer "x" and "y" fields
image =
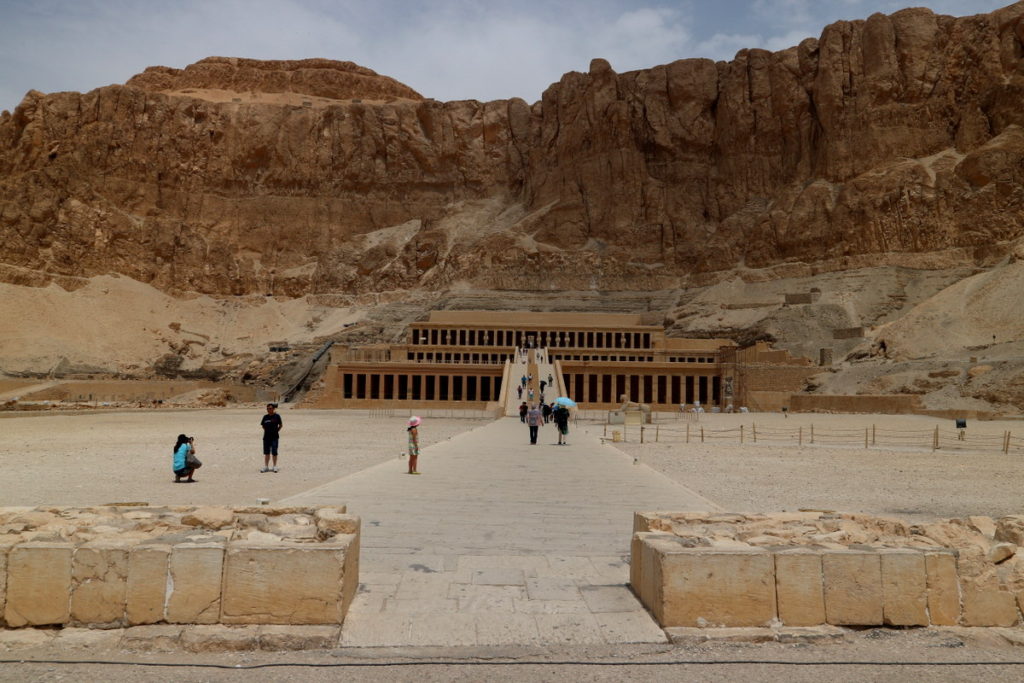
{"x": 120, "y": 325}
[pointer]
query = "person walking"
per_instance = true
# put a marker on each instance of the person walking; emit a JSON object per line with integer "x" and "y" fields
{"x": 551, "y": 380}
{"x": 530, "y": 393}
{"x": 546, "y": 411}
{"x": 561, "y": 417}
{"x": 185, "y": 460}
{"x": 542, "y": 385}
{"x": 523, "y": 409}
{"x": 534, "y": 419}
{"x": 414, "y": 443}
{"x": 519, "y": 390}
{"x": 272, "y": 425}
{"x": 523, "y": 381}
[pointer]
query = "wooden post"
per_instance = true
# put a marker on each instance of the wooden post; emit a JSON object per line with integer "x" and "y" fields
{"x": 657, "y": 432}
{"x": 687, "y": 432}
{"x": 865, "y": 437}
{"x": 702, "y": 433}
{"x": 606, "y": 430}
{"x": 812, "y": 432}
{"x": 754, "y": 429}
{"x": 872, "y": 435}
{"x": 641, "y": 433}
{"x": 800, "y": 437}
{"x": 1006, "y": 447}
{"x": 935, "y": 439}
{"x": 741, "y": 433}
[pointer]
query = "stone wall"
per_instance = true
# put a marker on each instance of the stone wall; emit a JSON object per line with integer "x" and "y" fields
{"x": 806, "y": 569}
{"x": 110, "y": 567}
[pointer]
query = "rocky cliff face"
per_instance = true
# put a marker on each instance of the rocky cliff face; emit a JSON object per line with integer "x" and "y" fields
{"x": 894, "y": 139}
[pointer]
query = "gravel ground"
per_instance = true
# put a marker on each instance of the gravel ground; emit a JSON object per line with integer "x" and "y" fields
{"x": 92, "y": 458}
{"x": 908, "y": 481}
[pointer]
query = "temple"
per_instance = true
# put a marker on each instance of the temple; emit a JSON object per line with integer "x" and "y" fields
{"x": 475, "y": 360}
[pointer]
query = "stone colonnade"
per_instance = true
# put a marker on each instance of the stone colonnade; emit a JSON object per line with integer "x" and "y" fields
{"x": 595, "y": 387}
{"x": 539, "y": 338}
{"x": 361, "y": 383}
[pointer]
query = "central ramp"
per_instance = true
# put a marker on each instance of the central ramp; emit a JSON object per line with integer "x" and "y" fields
{"x": 499, "y": 542}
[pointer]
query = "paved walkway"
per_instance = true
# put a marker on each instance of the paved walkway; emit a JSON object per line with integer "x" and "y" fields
{"x": 500, "y": 542}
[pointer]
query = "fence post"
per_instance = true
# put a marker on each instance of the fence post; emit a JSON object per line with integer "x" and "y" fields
{"x": 687, "y": 432}
{"x": 1006, "y": 447}
{"x": 800, "y": 437}
{"x": 741, "y": 433}
{"x": 641, "y": 433}
{"x": 935, "y": 441}
{"x": 865, "y": 437}
{"x": 754, "y": 430}
{"x": 872, "y": 435}
{"x": 657, "y": 432}
{"x": 702, "y": 433}
{"x": 812, "y": 432}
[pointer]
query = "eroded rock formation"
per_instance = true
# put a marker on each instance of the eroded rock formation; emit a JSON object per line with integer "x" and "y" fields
{"x": 896, "y": 135}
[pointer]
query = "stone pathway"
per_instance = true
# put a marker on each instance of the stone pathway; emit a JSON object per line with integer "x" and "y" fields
{"x": 499, "y": 542}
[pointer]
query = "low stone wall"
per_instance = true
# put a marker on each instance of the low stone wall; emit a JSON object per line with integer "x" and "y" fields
{"x": 110, "y": 567}
{"x": 808, "y": 569}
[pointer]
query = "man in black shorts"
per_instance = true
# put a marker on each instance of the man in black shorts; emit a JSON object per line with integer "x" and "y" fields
{"x": 271, "y": 424}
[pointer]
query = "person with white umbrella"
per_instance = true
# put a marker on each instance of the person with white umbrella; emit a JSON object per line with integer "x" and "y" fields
{"x": 561, "y": 417}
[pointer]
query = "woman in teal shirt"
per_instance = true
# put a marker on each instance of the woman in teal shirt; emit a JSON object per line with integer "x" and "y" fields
{"x": 184, "y": 461}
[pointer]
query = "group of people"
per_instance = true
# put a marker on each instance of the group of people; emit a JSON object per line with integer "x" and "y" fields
{"x": 541, "y": 414}
{"x": 185, "y": 462}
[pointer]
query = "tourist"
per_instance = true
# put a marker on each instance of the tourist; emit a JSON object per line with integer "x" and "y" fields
{"x": 523, "y": 409}
{"x": 551, "y": 380}
{"x": 414, "y": 443}
{"x": 185, "y": 460}
{"x": 530, "y": 393}
{"x": 272, "y": 425}
{"x": 561, "y": 417}
{"x": 542, "y": 385}
{"x": 546, "y": 410}
{"x": 519, "y": 390}
{"x": 523, "y": 381}
{"x": 534, "y": 419}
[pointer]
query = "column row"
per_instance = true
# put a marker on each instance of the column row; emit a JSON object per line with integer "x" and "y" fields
{"x": 417, "y": 387}
{"x": 531, "y": 338}
{"x": 592, "y": 387}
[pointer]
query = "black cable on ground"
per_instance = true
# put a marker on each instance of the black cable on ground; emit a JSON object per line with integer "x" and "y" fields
{"x": 378, "y": 664}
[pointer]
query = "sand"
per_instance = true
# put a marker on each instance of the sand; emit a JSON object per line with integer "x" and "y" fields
{"x": 909, "y": 482}
{"x": 105, "y": 457}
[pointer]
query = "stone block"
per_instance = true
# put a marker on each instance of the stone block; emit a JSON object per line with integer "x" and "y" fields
{"x": 5, "y": 547}
{"x": 651, "y": 589}
{"x": 284, "y": 584}
{"x": 147, "y": 586}
{"x": 99, "y": 578}
{"x": 636, "y": 561}
{"x": 38, "y": 584}
{"x": 156, "y": 638}
{"x": 987, "y": 607}
{"x": 853, "y": 588}
{"x": 799, "y": 588}
{"x": 209, "y": 517}
{"x": 331, "y": 521}
{"x": 195, "y": 583}
{"x": 88, "y": 639}
{"x": 350, "y": 575}
{"x": 219, "y": 638}
{"x": 277, "y": 637}
{"x": 904, "y": 588}
{"x": 943, "y": 588}
{"x": 718, "y": 588}
{"x": 25, "y": 638}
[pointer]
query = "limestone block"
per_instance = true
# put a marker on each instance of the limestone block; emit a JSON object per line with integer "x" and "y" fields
{"x": 635, "y": 564}
{"x": 99, "y": 578}
{"x": 195, "y": 583}
{"x": 1000, "y": 552}
{"x": 718, "y": 588}
{"x": 350, "y": 577}
{"x": 218, "y": 638}
{"x": 298, "y": 637}
{"x": 943, "y": 588}
{"x": 157, "y": 638}
{"x": 798, "y": 585}
{"x": 904, "y": 588}
{"x": 209, "y": 517}
{"x": 38, "y": 583}
{"x": 284, "y": 584}
{"x": 5, "y": 546}
{"x": 147, "y": 584}
{"x": 329, "y": 521}
{"x": 853, "y": 587}
{"x": 1011, "y": 530}
{"x": 986, "y": 607}
{"x": 983, "y": 525}
{"x": 653, "y": 547}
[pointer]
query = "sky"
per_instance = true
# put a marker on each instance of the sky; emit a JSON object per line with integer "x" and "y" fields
{"x": 445, "y": 49}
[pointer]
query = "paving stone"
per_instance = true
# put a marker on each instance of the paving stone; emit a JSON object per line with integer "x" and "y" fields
{"x": 629, "y": 627}
{"x": 420, "y": 606}
{"x": 553, "y": 589}
{"x": 498, "y": 577}
{"x": 506, "y": 629}
{"x": 24, "y": 638}
{"x": 386, "y": 629}
{"x": 569, "y": 629}
{"x": 443, "y": 630}
{"x": 610, "y": 599}
{"x": 551, "y": 606}
{"x": 415, "y": 586}
{"x": 810, "y": 634}
{"x": 367, "y": 603}
{"x": 498, "y": 599}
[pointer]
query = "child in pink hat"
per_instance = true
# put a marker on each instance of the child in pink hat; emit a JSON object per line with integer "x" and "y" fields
{"x": 414, "y": 443}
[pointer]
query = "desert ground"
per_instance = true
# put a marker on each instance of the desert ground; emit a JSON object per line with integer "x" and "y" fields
{"x": 103, "y": 457}
{"x": 92, "y": 458}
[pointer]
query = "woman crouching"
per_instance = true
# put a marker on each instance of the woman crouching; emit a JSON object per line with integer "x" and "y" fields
{"x": 185, "y": 460}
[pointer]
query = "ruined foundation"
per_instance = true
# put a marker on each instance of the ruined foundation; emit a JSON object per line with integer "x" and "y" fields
{"x": 811, "y": 568}
{"x": 111, "y": 567}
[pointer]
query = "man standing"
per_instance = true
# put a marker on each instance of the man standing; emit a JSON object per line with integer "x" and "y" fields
{"x": 533, "y": 421}
{"x": 271, "y": 424}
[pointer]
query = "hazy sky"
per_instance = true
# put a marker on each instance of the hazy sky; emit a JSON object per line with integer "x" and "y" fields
{"x": 447, "y": 49}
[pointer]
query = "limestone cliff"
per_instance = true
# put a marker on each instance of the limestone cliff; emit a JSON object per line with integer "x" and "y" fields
{"x": 896, "y": 139}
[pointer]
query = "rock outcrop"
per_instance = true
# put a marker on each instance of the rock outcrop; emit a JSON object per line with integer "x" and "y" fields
{"x": 899, "y": 135}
